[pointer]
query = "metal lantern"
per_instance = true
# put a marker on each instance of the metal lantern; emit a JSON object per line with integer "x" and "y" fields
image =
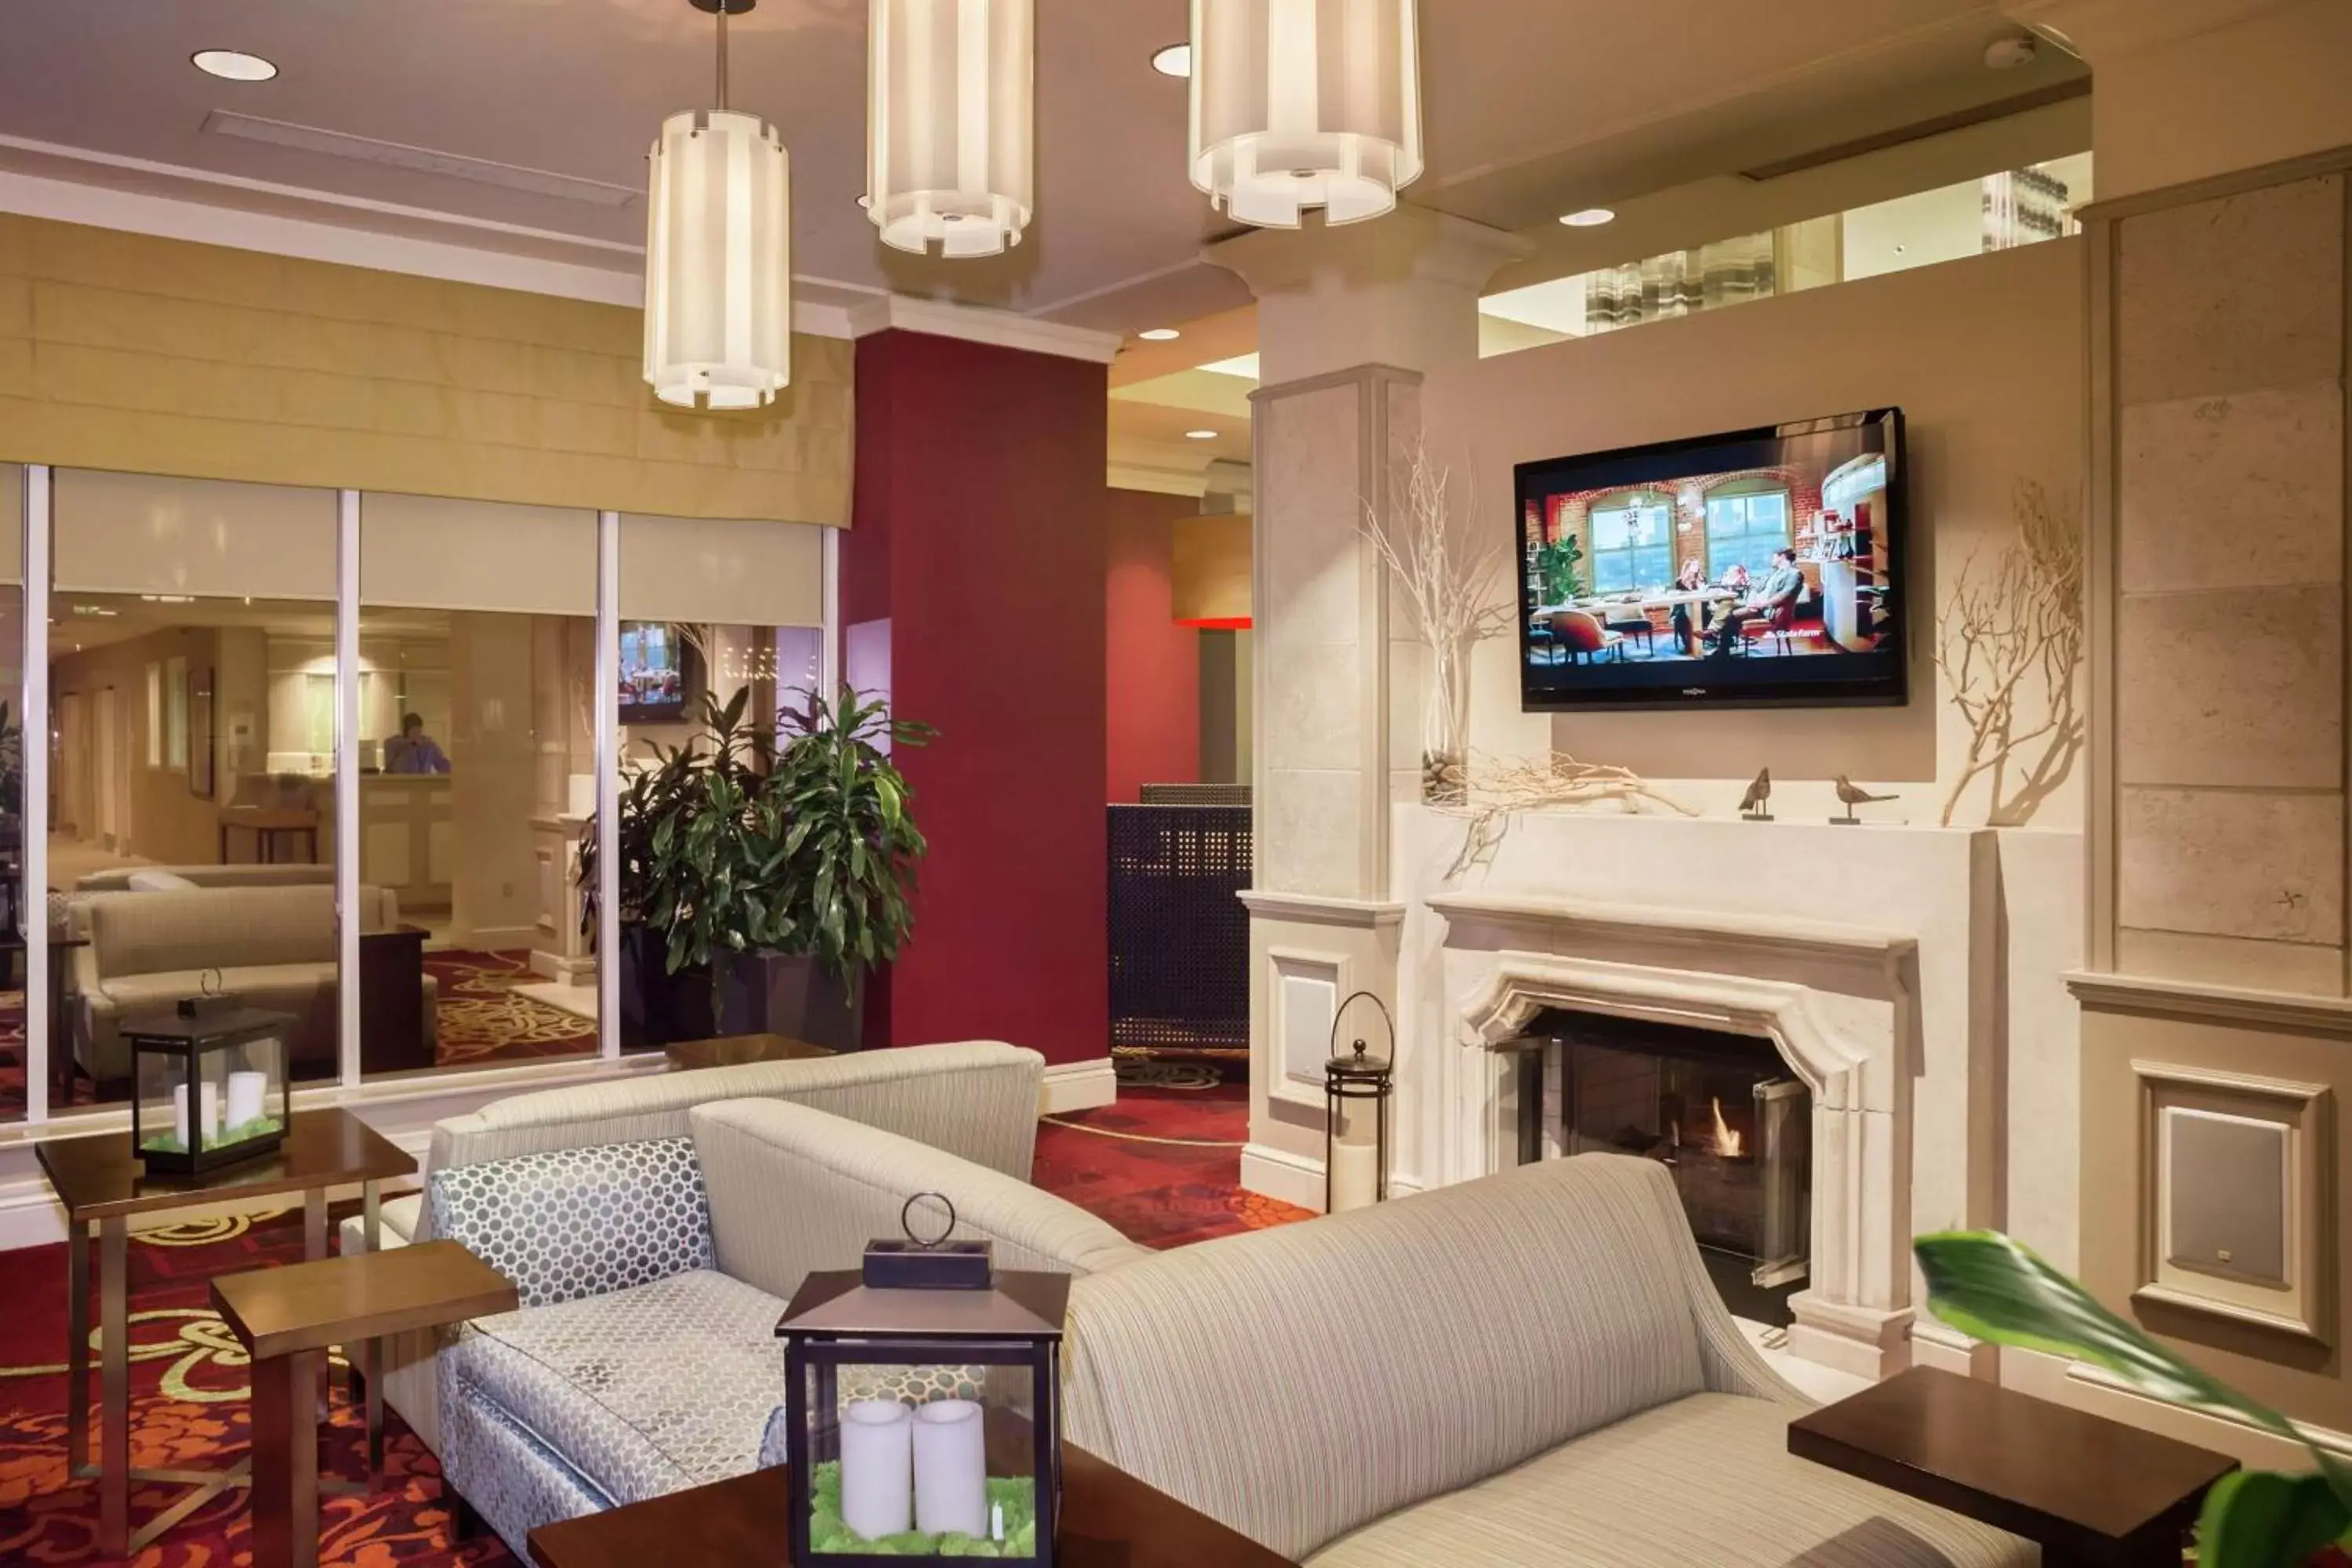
{"x": 1356, "y": 1092}
{"x": 922, "y": 1405}
{"x": 210, "y": 1081}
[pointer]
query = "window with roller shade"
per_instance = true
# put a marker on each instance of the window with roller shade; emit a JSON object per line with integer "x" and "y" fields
{"x": 201, "y": 615}
{"x": 706, "y": 610}
{"x": 477, "y": 746}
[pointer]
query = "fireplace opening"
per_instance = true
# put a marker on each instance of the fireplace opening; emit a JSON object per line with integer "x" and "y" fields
{"x": 1722, "y": 1111}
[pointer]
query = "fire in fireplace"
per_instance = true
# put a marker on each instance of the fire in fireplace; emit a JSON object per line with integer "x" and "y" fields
{"x": 1720, "y": 1111}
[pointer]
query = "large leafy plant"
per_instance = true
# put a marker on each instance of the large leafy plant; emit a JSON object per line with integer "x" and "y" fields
{"x": 740, "y": 841}
{"x": 1556, "y": 564}
{"x": 1986, "y": 1284}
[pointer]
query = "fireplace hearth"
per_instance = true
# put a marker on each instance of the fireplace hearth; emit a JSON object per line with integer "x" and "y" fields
{"x": 1721, "y": 1111}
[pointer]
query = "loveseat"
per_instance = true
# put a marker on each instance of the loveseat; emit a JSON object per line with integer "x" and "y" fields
{"x": 651, "y": 1273}
{"x": 273, "y": 947}
{"x": 976, "y": 1100}
{"x": 1530, "y": 1371}
{"x": 242, "y": 874}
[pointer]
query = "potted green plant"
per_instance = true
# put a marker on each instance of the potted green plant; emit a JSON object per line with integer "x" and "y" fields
{"x": 761, "y": 880}
{"x": 1985, "y": 1284}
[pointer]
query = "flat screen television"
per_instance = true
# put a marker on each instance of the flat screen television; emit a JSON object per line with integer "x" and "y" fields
{"x": 659, "y": 672}
{"x": 1751, "y": 568}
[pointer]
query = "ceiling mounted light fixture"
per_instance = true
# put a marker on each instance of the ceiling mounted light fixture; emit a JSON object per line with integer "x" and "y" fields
{"x": 1160, "y": 335}
{"x": 718, "y": 238}
{"x": 1591, "y": 217}
{"x": 1306, "y": 103}
{"x": 951, "y": 123}
{"x": 233, "y": 65}
{"x": 1200, "y": 435}
{"x": 1175, "y": 60}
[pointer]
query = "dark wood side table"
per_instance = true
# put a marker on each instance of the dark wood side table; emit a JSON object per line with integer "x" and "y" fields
{"x": 733, "y": 1050}
{"x": 1110, "y": 1519}
{"x": 393, "y": 1037}
{"x": 62, "y": 1012}
{"x": 100, "y": 1182}
{"x": 287, "y": 1319}
{"x": 2088, "y": 1490}
{"x": 265, "y": 822}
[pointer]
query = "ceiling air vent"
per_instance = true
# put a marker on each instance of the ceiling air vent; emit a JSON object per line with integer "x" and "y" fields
{"x": 423, "y": 159}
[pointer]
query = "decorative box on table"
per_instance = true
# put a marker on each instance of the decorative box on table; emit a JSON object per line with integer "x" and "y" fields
{"x": 923, "y": 1407}
{"x": 210, "y": 1080}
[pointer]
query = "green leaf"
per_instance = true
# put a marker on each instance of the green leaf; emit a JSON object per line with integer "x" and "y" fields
{"x": 1989, "y": 1286}
{"x": 2255, "y": 1519}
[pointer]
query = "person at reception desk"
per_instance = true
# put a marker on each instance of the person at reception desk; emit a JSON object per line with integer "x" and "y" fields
{"x": 1779, "y": 589}
{"x": 413, "y": 750}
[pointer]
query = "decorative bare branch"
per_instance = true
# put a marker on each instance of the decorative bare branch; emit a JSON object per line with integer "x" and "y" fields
{"x": 1452, "y": 587}
{"x": 1491, "y": 791}
{"x": 2008, "y": 643}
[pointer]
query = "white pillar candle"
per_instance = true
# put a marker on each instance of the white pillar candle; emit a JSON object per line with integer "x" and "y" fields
{"x": 951, "y": 1468}
{"x": 207, "y": 1112}
{"x": 1354, "y": 1177}
{"x": 876, "y": 1461}
{"x": 247, "y": 1092}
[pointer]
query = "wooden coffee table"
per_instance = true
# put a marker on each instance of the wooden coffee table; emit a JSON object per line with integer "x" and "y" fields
{"x": 1110, "y": 1519}
{"x": 98, "y": 1180}
{"x": 2088, "y": 1490}
{"x": 287, "y": 1318}
{"x": 734, "y": 1050}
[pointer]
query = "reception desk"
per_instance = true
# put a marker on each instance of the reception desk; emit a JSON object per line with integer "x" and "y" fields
{"x": 408, "y": 838}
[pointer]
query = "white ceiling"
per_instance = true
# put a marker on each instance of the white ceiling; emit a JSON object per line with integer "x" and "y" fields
{"x": 1533, "y": 108}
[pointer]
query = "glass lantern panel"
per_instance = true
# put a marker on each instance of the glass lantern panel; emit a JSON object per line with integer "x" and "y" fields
{"x": 253, "y": 1088}
{"x": 162, "y": 1084}
{"x": 922, "y": 1460}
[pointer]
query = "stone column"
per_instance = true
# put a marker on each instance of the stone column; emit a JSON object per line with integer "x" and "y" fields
{"x": 1349, "y": 319}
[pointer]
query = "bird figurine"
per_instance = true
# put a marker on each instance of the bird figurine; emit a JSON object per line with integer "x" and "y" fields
{"x": 1854, "y": 794}
{"x": 1756, "y": 805}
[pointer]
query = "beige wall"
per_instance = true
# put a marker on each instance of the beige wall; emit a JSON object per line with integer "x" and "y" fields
{"x": 493, "y": 765}
{"x": 161, "y": 820}
{"x": 1984, "y": 355}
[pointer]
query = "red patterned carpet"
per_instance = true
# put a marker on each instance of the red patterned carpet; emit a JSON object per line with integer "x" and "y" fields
{"x": 1162, "y": 1165}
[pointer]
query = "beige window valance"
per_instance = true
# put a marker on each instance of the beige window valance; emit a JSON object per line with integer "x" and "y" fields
{"x": 131, "y": 352}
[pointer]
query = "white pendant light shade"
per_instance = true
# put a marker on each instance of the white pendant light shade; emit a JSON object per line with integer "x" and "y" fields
{"x": 951, "y": 156}
{"x": 718, "y": 267}
{"x": 1306, "y": 103}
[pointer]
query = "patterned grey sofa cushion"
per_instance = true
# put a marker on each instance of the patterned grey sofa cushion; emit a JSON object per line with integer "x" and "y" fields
{"x": 641, "y": 1393}
{"x": 579, "y": 1222}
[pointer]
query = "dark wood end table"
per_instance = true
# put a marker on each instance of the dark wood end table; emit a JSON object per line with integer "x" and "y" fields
{"x": 265, "y": 822}
{"x": 98, "y": 1180}
{"x": 1110, "y": 1519}
{"x": 287, "y": 1318}
{"x": 2087, "y": 1489}
{"x": 391, "y": 1002}
{"x": 734, "y": 1050}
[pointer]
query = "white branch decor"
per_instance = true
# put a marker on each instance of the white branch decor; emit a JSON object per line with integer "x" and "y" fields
{"x": 1499, "y": 789}
{"x": 1454, "y": 588}
{"x": 2009, "y": 643}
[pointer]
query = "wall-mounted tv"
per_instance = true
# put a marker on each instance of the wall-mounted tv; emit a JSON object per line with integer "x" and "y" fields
{"x": 1750, "y": 568}
{"x": 660, "y": 672}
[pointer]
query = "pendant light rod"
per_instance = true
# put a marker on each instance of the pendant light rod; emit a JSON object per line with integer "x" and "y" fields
{"x": 722, "y": 9}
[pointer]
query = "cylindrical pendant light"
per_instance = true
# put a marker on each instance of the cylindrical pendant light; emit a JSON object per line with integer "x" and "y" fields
{"x": 718, "y": 241}
{"x": 950, "y": 132}
{"x": 1306, "y": 103}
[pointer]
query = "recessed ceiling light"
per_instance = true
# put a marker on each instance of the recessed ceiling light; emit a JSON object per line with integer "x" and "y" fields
{"x": 1591, "y": 217}
{"x": 1175, "y": 60}
{"x": 1160, "y": 335}
{"x": 1901, "y": 250}
{"x": 1200, "y": 435}
{"x": 233, "y": 65}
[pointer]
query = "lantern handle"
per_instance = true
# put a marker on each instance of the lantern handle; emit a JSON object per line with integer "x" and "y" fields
{"x": 208, "y": 983}
{"x": 1386, "y": 1017}
{"x": 906, "y": 1222}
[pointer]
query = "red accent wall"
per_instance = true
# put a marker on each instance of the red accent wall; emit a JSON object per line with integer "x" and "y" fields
{"x": 1154, "y": 666}
{"x": 978, "y": 533}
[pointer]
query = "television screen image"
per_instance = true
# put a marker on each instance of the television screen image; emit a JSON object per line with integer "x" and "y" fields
{"x": 1761, "y": 566}
{"x": 653, "y": 673}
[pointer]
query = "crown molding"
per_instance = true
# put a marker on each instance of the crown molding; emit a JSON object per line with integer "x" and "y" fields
{"x": 2230, "y": 1005}
{"x": 2101, "y": 31}
{"x": 975, "y": 324}
{"x": 1412, "y": 243}
{"x": 71, "y": 185}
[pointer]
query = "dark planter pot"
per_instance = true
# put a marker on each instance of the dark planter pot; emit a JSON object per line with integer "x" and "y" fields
{"x": 761, "y": 994}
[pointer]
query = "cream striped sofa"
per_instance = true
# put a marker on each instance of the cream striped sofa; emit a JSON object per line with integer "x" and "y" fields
{"x": 976, "y": 1100}
{"x": 651, "y": 1273}
{"x": 1530, "y": 1371}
